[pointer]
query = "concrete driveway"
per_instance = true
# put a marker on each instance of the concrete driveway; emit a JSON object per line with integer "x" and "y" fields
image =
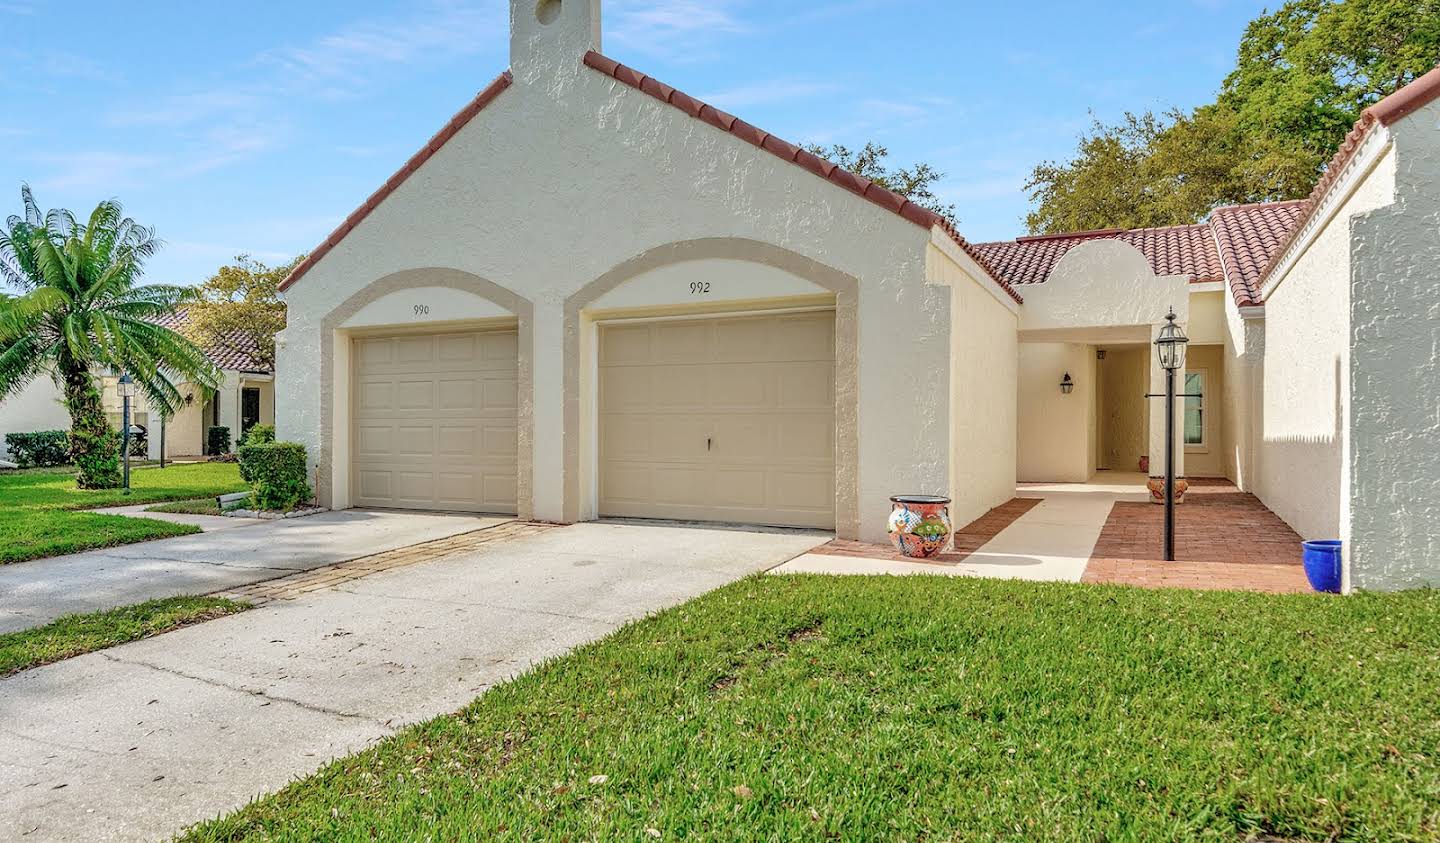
{"x": 139, "y": 741}
{"x": 36, "y": 592}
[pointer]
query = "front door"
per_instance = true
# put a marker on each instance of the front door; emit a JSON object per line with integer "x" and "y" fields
{"x": 249, "y": 408}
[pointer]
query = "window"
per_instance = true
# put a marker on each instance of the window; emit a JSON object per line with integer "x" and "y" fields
{"x": 1195, "y": 408}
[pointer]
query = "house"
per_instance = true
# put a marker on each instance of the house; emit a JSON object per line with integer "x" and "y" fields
{"x": 246, "y": 397}
{"x": 591, "y": 294}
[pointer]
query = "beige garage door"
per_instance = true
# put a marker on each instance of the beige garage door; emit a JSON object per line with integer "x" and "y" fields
{"x": 724, "y": 419}
{"x": 435, "y": 421}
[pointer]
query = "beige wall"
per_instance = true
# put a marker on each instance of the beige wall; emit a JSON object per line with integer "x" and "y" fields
{"x": 984, "y": 372}
{"x": 1302, "y": 472}
{"x": 36, "y": 407}
{"x": 1207, "y": 460}
{"x": 1124, "y": 411}
{"x": 504, "y": 202}
{"x": 1056, "y": 432}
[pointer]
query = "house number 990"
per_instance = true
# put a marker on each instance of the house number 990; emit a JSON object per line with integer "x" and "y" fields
{"x": 422, "y": 310}
{"x": 699, "y": 288}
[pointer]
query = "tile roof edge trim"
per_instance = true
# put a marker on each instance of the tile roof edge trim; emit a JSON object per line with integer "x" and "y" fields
{"x": 1408, "y": 99}
{"x": 442, "y": 137}
{"x": 858, "y": 185}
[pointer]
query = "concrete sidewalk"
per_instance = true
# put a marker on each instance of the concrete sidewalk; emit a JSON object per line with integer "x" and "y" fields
{"x": 37, "y": 592}
{"x": 136, "y": 742}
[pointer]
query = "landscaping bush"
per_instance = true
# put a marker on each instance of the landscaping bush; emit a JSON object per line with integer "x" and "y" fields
{"x": 258, "y": 434}
{"x": 276, "y": 471}
{"x": 39, "y": 449}
{"x": 217, "y": 440}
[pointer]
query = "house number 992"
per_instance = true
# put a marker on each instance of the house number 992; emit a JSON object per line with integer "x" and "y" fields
{"x": 422, "y": 310}
{"x": 699, "y": 288}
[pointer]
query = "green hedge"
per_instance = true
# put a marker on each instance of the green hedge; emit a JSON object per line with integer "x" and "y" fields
{"x": 217, "y": 440}
{"x": 38, "y": 449}
{"x": 277, "y": 474}
{"x": 258, "y": 434}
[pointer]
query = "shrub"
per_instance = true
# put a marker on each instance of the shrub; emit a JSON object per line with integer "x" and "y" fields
{"x": 258, "y": 434}
{"x": 217, "y": 440}
{"x": 97, "y": 456}
{"x": 277, "y": 474}
{"x": 39, "y": 449}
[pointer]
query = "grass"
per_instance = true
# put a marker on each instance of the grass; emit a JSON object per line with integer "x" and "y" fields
{"x": 910, "y": 708}
{"x": 37, "y": 516}
{"x": 73, "y": 635}
{"x": 199, "y": 506}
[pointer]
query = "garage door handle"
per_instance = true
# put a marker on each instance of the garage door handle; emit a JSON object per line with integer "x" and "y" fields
{"x": 707, "y": 443}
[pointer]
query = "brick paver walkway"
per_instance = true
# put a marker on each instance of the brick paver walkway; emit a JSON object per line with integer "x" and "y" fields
{"x": 1224, "y": 539}
{"x": 295, "y": 585}
{"x": 968, "y": 539}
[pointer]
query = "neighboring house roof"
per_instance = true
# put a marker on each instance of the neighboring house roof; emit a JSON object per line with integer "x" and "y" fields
{"x": 858, "y": 185}
{"x": 238, "y": 352}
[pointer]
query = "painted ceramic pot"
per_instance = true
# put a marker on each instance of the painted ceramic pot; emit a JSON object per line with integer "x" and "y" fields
{"x": 920, "y": 525}
{"x": 1156, "y": 485}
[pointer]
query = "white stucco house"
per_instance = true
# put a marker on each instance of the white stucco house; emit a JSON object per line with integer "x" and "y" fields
{"x": 593, "y": 295}
{"x": 246, "y": 397}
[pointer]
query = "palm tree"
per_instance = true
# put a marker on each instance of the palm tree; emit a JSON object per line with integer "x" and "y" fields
{"x": 80, "y": 311}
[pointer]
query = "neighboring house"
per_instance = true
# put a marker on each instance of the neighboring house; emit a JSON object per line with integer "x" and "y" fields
{"x": 246, "y": 397}
{"x": 629, "y": 303}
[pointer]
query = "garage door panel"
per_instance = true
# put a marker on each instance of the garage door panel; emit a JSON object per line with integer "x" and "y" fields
{"x": 760, "y": 389}
{"x": 435, "y": 421}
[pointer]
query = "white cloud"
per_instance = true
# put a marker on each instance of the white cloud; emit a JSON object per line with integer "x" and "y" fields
{"x": 96, "y": 170}
{"x": 676, "y": 29}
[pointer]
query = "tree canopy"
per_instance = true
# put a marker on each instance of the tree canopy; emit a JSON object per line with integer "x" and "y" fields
{"x": 1303, "y": 75}
{"x": 239, "y": 308}
{"x": 914, "y": 183}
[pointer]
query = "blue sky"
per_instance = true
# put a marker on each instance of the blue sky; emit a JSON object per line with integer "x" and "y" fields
{"x": 256, "y": 127}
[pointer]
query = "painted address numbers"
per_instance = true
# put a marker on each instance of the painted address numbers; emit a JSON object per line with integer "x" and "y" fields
{"x": 699, "y": 288}
{"x": 422, "y": 310}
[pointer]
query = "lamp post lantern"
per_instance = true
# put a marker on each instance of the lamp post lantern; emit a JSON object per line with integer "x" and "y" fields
{"x": 1170, "y": 346}
{"x": 126, "y": 387}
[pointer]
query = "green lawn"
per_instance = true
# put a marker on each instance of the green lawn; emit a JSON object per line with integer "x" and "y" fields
{"x": 199, "y": 506}
{"x": 912, "y": 708}
{"x": 76, "y": 634}
{"x": 36, "y": 517}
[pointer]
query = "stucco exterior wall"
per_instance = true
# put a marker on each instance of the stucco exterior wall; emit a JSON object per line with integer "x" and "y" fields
{"x": 1241, "y": 399}
{"x": 36, "y": 407}
{"x": 984, "y": 372}
{"x": 1056, "y": 432}
{"x": 568, "y": 175}
{"x": 1394, "y": 288}
{"x": 1301, "y": 465}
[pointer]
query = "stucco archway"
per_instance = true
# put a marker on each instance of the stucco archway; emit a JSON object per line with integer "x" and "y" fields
{"x": 846, "y": 291}
{"x": 334, "y": 342}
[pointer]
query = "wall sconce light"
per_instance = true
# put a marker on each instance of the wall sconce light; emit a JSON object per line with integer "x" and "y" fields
{"x": 189, "y": 398}
{"x": 1067, "y": 384}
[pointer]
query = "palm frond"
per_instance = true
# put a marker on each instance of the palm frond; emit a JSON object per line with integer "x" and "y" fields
{"x": 20, "y": 362}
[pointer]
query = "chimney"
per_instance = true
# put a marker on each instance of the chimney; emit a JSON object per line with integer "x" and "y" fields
{"x": 547, "y": 35}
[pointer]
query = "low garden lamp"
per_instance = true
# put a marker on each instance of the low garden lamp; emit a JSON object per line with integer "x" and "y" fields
{"x": 126, "y": 387}
{"x": 1170, "y": 346}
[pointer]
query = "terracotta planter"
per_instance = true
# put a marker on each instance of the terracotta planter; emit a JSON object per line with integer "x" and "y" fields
{"x": 1156, "y": 485}
{"x": 920, "y": 525}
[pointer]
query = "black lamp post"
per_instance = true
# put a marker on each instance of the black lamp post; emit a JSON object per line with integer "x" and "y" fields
{"x": 126, "y": 387}
{"x": 1170, "y": 346}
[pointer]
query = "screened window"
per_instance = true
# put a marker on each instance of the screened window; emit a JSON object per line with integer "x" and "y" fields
{"x": 1195, "y": 408}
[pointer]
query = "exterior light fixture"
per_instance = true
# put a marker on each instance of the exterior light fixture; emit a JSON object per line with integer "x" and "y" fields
{"x": 1067, "y": 384}
{"x": 126, "y": 388}
{"x": 1170, "y": 348}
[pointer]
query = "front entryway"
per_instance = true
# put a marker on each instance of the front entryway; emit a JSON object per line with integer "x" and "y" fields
{"x": 719, "y": 419}
{"x": 435, "y": 421}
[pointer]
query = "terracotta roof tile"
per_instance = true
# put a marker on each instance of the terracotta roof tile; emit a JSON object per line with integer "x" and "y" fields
{"x": 1233, "y": 246}
{"x": 448, "y": 131}
{"x": 1249, "y": 237}
{"x": 236, "y": 352}
{"x": 843, "y": 178}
